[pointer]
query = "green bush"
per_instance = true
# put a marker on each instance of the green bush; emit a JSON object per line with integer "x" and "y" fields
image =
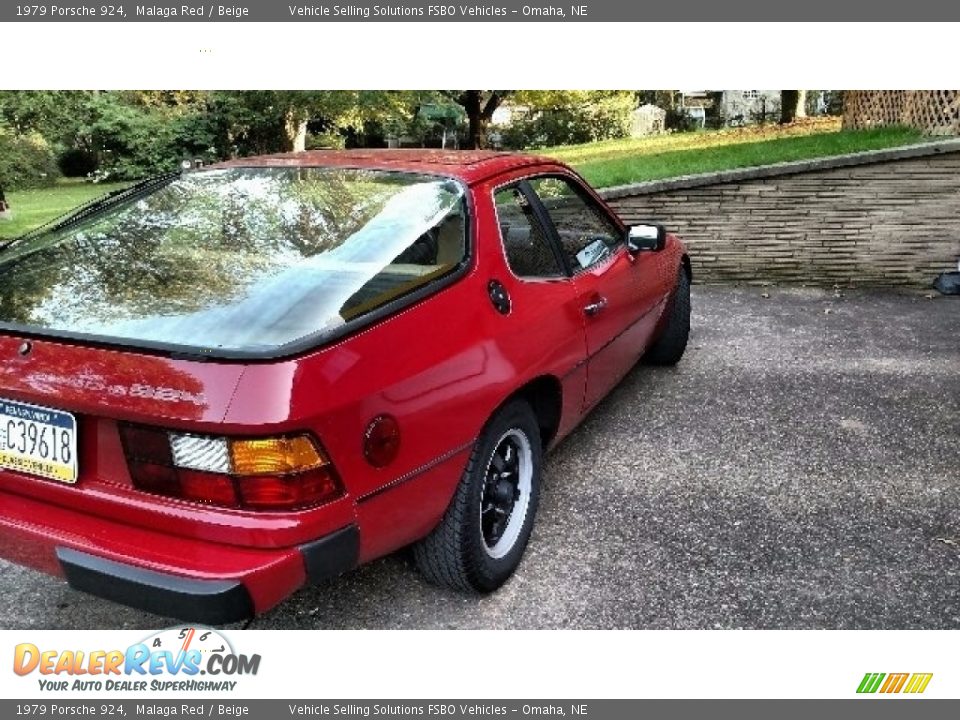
{"x": 604, "y": 116}
{"x": 26, "y": 162}
{"x": 135, "y": 141}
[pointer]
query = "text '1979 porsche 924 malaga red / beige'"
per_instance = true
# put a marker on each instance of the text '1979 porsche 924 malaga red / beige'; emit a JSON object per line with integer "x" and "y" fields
{"x": 220, "y": 385}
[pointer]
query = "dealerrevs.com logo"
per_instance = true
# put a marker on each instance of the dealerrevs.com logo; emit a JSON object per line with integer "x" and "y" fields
{"x": 181, "y": 659}
{"x": 892, "y": 683}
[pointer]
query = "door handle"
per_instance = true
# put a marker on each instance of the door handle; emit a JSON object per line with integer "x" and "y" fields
{"x": 595, "y": 307}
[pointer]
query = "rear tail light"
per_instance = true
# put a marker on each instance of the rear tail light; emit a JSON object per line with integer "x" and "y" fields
{"x": 283, "y": 473}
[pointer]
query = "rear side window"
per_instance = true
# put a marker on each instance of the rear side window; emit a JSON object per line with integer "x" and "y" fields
{"x": 528, "y": 251}
{"x": 586, "y": 232}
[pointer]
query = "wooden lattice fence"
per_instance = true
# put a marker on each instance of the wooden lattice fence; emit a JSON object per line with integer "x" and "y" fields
{"x": 934, "y": 112}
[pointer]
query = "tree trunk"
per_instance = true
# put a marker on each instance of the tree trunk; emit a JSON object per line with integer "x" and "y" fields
{"x": 480, "y": 113}
{"x": 296, "y": 132}
{"x": 801, "y": 103}
{"x": 788, "y": 105}
{"x": 476, "y": 134}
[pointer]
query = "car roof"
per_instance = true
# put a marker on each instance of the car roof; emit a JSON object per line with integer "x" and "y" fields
{"x": 470, "y": 166}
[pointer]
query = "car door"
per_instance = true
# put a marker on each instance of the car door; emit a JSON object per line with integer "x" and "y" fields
{"x": 545, "y": 326}
{"x": 609, "y": 280}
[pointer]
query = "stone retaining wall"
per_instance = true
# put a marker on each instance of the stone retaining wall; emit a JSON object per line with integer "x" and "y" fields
{"x": 887, "y": 217}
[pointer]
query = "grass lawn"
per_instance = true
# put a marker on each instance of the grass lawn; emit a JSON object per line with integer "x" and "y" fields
{"x": 620, "y": 162}
{"x": 603, "y": 164}
{"x": 32, "y": 208}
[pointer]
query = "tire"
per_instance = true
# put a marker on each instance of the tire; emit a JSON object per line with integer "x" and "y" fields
{"x": 478, "y": 544}
{"x": 669, "y": 347}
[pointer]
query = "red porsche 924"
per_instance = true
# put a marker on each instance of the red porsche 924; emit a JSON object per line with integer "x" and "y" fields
{"x": 219, "y": 386}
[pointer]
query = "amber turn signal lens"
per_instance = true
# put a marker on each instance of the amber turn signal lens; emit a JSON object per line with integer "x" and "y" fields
{"x": 275, "y": 456}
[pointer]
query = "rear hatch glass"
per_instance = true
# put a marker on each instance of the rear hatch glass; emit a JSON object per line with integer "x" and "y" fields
{"x": 237, "y": 260}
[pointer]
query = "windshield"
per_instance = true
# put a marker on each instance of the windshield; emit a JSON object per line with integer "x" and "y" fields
{"x": 239, "y": 259}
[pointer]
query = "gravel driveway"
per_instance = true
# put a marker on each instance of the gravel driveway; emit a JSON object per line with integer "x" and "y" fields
{"x": 800, "y": 468}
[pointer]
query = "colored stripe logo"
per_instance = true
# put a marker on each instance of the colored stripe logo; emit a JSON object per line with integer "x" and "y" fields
{"x": 912, "y": 683}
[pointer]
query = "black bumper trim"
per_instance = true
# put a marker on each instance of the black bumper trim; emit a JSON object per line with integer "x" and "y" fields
{"x": 331, "y": 555}
{"x": 212, "y": 602}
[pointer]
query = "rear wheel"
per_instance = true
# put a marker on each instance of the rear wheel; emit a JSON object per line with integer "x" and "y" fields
{"x": 481, "y": 539}
{"x": 669, "y": 347}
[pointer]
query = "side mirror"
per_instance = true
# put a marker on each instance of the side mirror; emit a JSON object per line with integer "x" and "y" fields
{"x": 647, "y": 237}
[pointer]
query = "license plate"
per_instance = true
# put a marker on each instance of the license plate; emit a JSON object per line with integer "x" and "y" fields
{"x": 38, "y": 441}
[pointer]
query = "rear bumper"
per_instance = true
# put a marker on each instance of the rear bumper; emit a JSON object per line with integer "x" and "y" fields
{"x": 211, "y": 602}
{"x": 192, "y": 580}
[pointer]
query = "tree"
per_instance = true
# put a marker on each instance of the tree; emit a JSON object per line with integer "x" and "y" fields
{"x": 128, "y": 134}
{"x": 264, "y": 121}
{"x": 793, "y": 104}
{"x": 25, "y": 161}
{"x": 136, "y": 134}
{"x": 340, "y": 109}
{"x": 479, "y": 106}
{"x": 57, "y": 115}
